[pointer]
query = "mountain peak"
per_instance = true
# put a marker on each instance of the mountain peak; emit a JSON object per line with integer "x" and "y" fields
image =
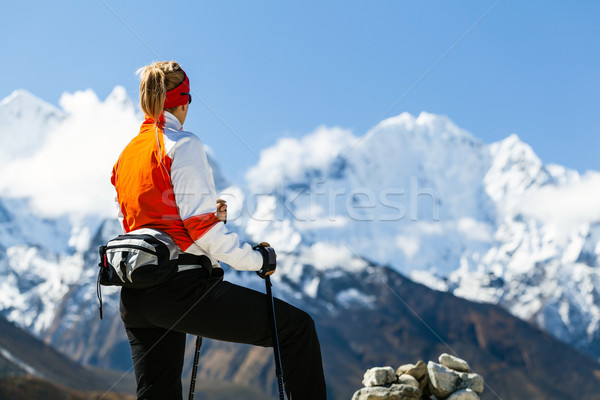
{"x": 515, "y": 168}
{"x": 442, "y": 123}
{"x": 513, "y": 144}
{"x": 425, "y": 124}
{"x": 27, "y": 119}
{"x": 17, "y": 95}
{"x": 21, "y": 98}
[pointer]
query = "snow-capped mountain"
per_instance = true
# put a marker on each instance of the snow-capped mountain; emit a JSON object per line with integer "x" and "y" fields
{"x": 487, "y": 222}
{"x": 26, "y": 123}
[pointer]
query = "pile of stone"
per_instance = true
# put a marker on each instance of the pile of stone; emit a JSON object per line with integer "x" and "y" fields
{"x": 450, "y": 379}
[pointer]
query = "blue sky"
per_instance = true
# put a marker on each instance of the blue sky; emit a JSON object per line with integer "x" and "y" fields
{"x": 262, "y": 70}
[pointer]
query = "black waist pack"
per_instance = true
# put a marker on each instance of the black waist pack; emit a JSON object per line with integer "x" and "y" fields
{"x": 141, "y": 259}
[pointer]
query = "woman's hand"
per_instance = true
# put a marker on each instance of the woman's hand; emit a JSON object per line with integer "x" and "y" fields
{"x": 222, "y": 210}
{"x": 269, "y": 259}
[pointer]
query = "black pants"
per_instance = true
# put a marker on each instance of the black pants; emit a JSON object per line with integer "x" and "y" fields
{"x": 157, "y": 319}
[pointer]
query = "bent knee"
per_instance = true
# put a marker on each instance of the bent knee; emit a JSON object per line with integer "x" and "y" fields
{"x": 304, "y": 321}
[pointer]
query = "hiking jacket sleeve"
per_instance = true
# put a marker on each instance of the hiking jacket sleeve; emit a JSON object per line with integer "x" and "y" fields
{"x": 195, "y": 195}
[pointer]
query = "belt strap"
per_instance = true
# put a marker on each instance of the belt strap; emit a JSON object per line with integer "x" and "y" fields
{"x": 193, "y": 259}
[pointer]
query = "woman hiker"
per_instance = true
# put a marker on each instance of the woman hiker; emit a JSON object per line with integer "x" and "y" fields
{"x": 163, "y": 181}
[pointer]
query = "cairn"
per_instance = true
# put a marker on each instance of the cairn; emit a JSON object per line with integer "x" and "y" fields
{"x": 450, "y": 379}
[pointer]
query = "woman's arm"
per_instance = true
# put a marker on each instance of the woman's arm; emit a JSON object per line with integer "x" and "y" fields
{"x": 195, "y": 195}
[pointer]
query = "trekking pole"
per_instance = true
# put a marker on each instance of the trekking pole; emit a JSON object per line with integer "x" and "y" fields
{"x": 195, "y": 367}
{"x": 278, "y": 369}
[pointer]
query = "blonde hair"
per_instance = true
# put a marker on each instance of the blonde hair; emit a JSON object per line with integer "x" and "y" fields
{"x": 156, "y": 79}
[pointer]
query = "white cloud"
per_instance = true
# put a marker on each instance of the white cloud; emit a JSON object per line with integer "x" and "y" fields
{"x": 408, "y": 244}
{"x": 474, "y": 230}
{"x": 289, "y": 158}
{"x": 331, "y": 256}
{"x": 71, "y": 172}
{"x": 566, "y": 205}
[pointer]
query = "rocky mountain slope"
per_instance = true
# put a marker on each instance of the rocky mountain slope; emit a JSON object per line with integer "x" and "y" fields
{"x": 30, "y": 369}
{"x": 489, "y": 223}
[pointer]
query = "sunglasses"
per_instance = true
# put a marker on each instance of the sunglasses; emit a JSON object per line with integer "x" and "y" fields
{"x": 189, "y": 94}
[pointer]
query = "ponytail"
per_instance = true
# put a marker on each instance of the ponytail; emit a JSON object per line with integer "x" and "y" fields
{"x": 156, "y": 79}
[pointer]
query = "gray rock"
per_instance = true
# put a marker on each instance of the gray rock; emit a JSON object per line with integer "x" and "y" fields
{"x": 472, "y": 381}
{"x": 442, "y": 380}
{"x": 464, "y": 394}
{"x": 455, "y": 363}
{"x": 394, "y": 392}
{"x": 424, "y": 386}
{"x": 407, "y": 392}
{"x": 408, "y": 380}
{"x": 379, "y": 376}
{"x": 417, "y": 370}
{"x": 404, "y": 368}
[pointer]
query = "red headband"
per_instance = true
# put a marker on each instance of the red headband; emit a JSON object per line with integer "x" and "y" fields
{"x": 180, "y": 95}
